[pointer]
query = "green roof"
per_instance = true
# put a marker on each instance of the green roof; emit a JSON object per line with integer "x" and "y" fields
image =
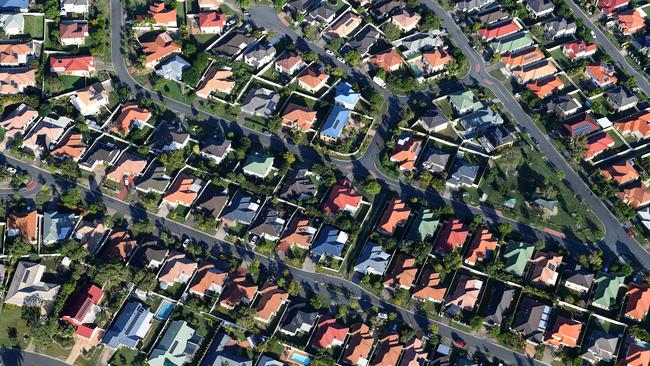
{"x": 425, "y": 224}
{"x": 517, "y": 255}
{"x": 177, "y": 345}
{"x": 258, "y": 164}
{"x": 462, "y": 100}
{"x": 511, "y": 43}
{"x": 607, "y": 286}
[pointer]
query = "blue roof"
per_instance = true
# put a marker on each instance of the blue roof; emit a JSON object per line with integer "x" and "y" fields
{"x": 58, "y": 226}
{"x": 13, "y": 4}
{"x": 330, "y": 242}
{"x": 345, "y": 94}
{"x": 130, "y": 327}
{"x": 336, "y": 121}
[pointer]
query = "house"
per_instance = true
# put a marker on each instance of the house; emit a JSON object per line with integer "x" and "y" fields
{"x": 15, "y": 54}
{"x": 388, "y": 351}
{"x": 373, "y": 260}
{"x": 289, "y": 63}
{"x": 481, "y": 247}
{"x": 415, "y": 353}
{"x": 600, "y": 347}
{"x": 238, "y": 290}
{"x": 323, "y": 13}
{"x": 406, "y": 20}
{"x": 531, "y": 319}
{"x": 169, "y": 136}
{"x": 564, "y": 106}
{"x": 154, "y": 179}
{"x": 158, "y": 16}
{"x": 299, "y": 234}
{"x": 430, "y": 287}
{"x": 406, "y": 151}
{"x": 91, "y": 100}
{"x": 260, "y": 102}
{"x": 225, "y": 351}
{"x": 607, "y": 290}
{"x": 539, "y": 8}
{"x": 364, "y": 40}
{"x": 638, "y": 302}
{"x": 471, "y": 6}
{"x": 45, "y": 134}
{"x": 548, "y": 207}
{"x": 299, "y": 319}
{"x": 73, "y": 33}
{"x": 565, "y": 333}
{"x": 99, "y": 156}
{"x": 173, "y": 68}
{"x": 388, "y": 61}
{"x": 81, "y": 308}
{"x": 72, "y": 65}
{"x": 433, "y": 120}
{"x": 24, "y": 224}
{"x": 516, "y": 257}
{"x": 313, "y": 79}
{"x": 424, "y": 225}
{"x": 637, "y": 355}
{"x": 215, "y": 148}
{"x": 578, "y": 278}
{"x": 21, "y": 6}
{"x": 463, "y": 102}
{"x": 475, "y": 123}
{"x": 208, "y": 281}
{"x": 499, "y": 304}
{"x": 27, "y": 288}
{"x": 496, "y": 137}
{"x": 608, "y": 7}
{"x": 601, "y": 75}
{"x": 329, "y": 333}
{"x": 637, "y": 197}
{"x": 270, "y": 300}
{"x": 357, "y": 350}
{"x": 346, "y": 96}
{"x": 640, "y": 44}
{"x": 149, "y": 255}
{"x": 12, "y": 24}
{"x": 436, "y": 161}
{"x": 268, "y": 225}
{"x": 75, "y": 6}
{"x": 119, "y": 245}
{"x": 242, "y": 209}
{"x": 298, "y": 117}
{"x": 130, "y": 327}
{"x": 158, "y": 49}
{"x": 534, "y": 72}
{"x": 637, "y": 126}
{"x": 71, "y": 146}
{"x": 184, "y": 190}
{"x": 621, "y": 99}
{"x": 211, "y": 202}
{"x": 383, "y": 9}
{"x": 300, "y": 6}
{"x": 452, "y": 237}
{"x": 177, "y": 346}
{"x": 208, "y": 5}
{"x": 211, "y": 22}
{"x": 462, "y": 175}
{"x": 465, "y": 295}
{"x": 330, "y": 242}
{"x": 545, "y": 87}
{"x": 128, "y": 167}
{"x": 215, "y": 80}
{"x": 336, "y": 121}
{"x": 299, "y": 186}
{"x": 512, "y": 43}
{"x": 259, "y": 55}
{"x": 525, "y": 57}
{"x": 544, "y": 269}
{"x": 233, "y": 43}
{"x": 16, "y": 123}
{"x": 16, "y": 81}
{"x": 597, "y": 145}
{"x": 342, "y": 197}
{"x": 58, "y": 226}
{"x": 345, "y": 25}
{"x": 491, "y": 16}
{"x": 413, "y": 46}
{"x": 499, "y": 30}
{"x": 177, "y": 269}
{"x": 579, "y": 49}
{"x": 395, "y": 215}
{"x": 131, "y": 116}
{"x": 403, "y": 274}
{"x": 258, "y": 165}
{"x": 630, "y": 22}
{"x": 585, "y": 124}
{"x": 90, "y": 235}
{"x": 558, "y": 28}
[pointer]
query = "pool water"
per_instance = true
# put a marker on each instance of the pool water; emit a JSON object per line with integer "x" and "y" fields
{"x": 164, "y": 310}
{"x": 416, "y": 70}
{"x": 300, "y": 359}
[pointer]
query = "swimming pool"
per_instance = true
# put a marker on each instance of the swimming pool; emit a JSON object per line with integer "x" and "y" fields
{"x": 416, "y": 70}
{"x": 300, "y": 359}
{"x": 164, "y": 310}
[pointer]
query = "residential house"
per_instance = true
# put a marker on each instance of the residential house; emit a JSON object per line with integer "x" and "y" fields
{"x": 131, "y": 116}
{"x": 564, "y": 106}
{"x": 373, "y": 260}
{"x": 630, "y": 21}
{"x": 158, "y": 49}
{"x": 413, "y": 46}
{"x": 424, "y": 225}
{"x": 215, "y": 80}
{"x": 14, "y": 81}
{"x": 578, "y": 278}
{"x": 345, "y": 25}
{"x": 211, "y": 22}
{"x": 491, "y": 16}
{"x": 545, "y": 269}
{"x": 545, "y": 87}
{"x": 15, "y": 54}
{"x": 584, "y": 124}
{"x": 72, "y": 65}
{"x": 17, "y": 121}
{"x": 436, "y": 161}
{"x": 268, "y": 225}
{"x": 388, "y": 61}
{"x": 415, "y": 353}
{"x": 289, "y": 63}
{"x": 462, "y": 175}
{"x": 58, "y": 226}
{"x": 512, "y": 43}
{"x": 430, "y": 287}
{"x": 329, "y": 333}
{"x": 637, "y": 355}
{"x": 406, "y": 151}
{"x": 539, "y": 8}
{"x": 620, "y": 99}
{"x": 130, "y": 327}
{"x": 177, "y": 346}
{"x": 242, "y": 209}
{"x": 558, "y": 28}
{"x": 463, "y": 102}
{"x": 406, "y": 20}
{"x": 601, "y": 75}
{"x": 608, "y": 7}
{"x": 212, "y": 201}
{"x": 184, "y": 191}
{"x": 532, "y": 319}
{"x": 233, "y": 43}
{"x": 45, "y": 134}
{"x": 208, "y": 281}
{"x": 342, "y": 197}
{"x": 465, "y": 295}
{"x": 299, "y": 318}
{"x": 346, "y": 96}
{"x": 477, "y": 122}
{"x": 298, "y": 117}
{"x": 403, "y": 273}
{"x": 313, "y": 79}
{"x": 73, "y": 33}
{"x": 226, "y": 351}
{"x": 499, "y": 304}
{"x": 158, "y": 16}
{"x": 258, "y": 165}
{"x": 364, "y": 40}
{"x": 516, "y": 257}
{"x": 239, "y": 290}
{"x": 154, "y": 179}
{"x": 90, "y": 235}
{"x": 637, "y": 126}
{"x": 208, "y": 5}
{"x": 299, "y": 234}
{"x": 388, "y": 351}
{"x": 532, "y": 72}
{"x": 299, "y": 185}
{"x": 525, "y": 57}
{"x": 260, "y": 102}
{"x": 24, "y": 224}
{"x": 337, "y": 119}
{"x": 638, "y": 302}
{"x": 453, "y": 236}
{"x": 386, "y": 8}
{"x": 12, "y": 24}
{"x": 499, "y": 30}
{"x": 471, "y": 6}
{"x": 607, "y": 289}
{"x": 565, "y": 333}
{"x": 433, "y": 120}
{"x": 579, "y": 49}
{"x": 300, "y": 6}
{"x": 215, "y": 148}
{"x": 91, "y": 100}
{"x": 177, "y": 269}
{"x": 597, "y": 145}
{"x": 481, "y": 247}
{"x": 127, "y": 168}
{"x": 637, "y": 197}
{"x": 259, "y": 55}
{"x": 81, "y": 308}
{"x": 169, "y": 136}
{"x": 395, "y": 215}
{"x": 270, "y": 300}
{"x": 119, "y": 245}
{"x": 27, "y": 288}
{"x": 323, "y": 13}
{"x": 149, "y": 255}
{"x": 600, "y": 347}
{"x": 75, "y": 6}
{"x": 358, "y": 349}
{"x": 496, "y": 137}
{"x": 21, "y": 6}
{"x": 99, "y": 156}
{"x": 173, "y": 68}
{"x": 330, "y": 242}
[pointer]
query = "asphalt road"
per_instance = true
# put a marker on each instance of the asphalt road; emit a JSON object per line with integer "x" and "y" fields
{"x": 603, "y": 41}
{"x": 16, "y": 357}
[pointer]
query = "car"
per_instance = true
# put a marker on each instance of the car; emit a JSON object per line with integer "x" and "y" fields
{"x": 630, "y": 233}
{"x": 186, "y": 242}
{"x": 340, "y": 59}
{"x": 11, "y": 170}
{"x": 268, "y": 133}
{"x": 329, "y": 52}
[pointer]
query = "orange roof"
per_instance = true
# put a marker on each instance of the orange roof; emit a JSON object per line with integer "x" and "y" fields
{"x": 429, "y": 286}
{"x": 636, "y": 197}
{"x": 207, "y": 277}
{"x": 636, "y": 356}
{"x": 298, "y": 116}
{"x": 162, "y": 46}
{"x": 120, "y": 244}
{"x": 13, "y": 82}
{"x": 482, "y": 244}
{"x": 129, "y": 165}
{"x": 25, "y": 222}
{"x": 388, "y": 60}
{"x": 211, "y": 4}
{"x": 237, "y": 289}
{"x": 523, "y": 58}
{"x": 403, "y": 273}
{"x": 388, "y": 351}
{"x": 299, "y": 233}
{"x": 405, "y": 152}
{"x": 341, "y": 196}
{"x": 638, "y": 301}
{"x": 66, "y": 64}
{"x": 130, "y": 114}
{"x": 211, "y": 19}
{"x": 535, "y": 73}
{"x": 159, "y": 15}
{"x": 18, "y": 120}
{"x": 500, "y": 30}
{"x": 176, "y": 266}
{"x": 9, "y": 52}
{"x": 565, "y": 332}
{"x": 270, "y": 300}
{"x": 216, "y": 80}
{"x": 313, "y": 77}
{"x": 544, "y": 269}
{"x": 359, "y": 344}
{"x": 329, "y": 331}
{"x": 622, "y": 172}
{"x": 546, "y": 87}
{"x": 452, "y": 236}
{"x": 466, "y": 293}
{"x": 630, "y": 21}
{"x": 396, "y": 214}
{"x": 183, "y": 191}
{"x": 414, "y": 353}
{"x": 597, "y": 145}
{"x": 602, "y": 74}
{"x": 639, "y": 125}
{"x": 73, "y": 30}
{"x": 579, "y": 49}
{"x": 71, "y": 146}
{"x": 437, "y": 58}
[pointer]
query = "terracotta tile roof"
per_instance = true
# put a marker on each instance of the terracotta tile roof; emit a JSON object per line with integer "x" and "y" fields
{"x": 430, "y": 287}
{"x": 72, "y": 146}
{"x": 403, "y": 272}
{"x": 545, "y": 269}
{"x": 346, "y": 24}
{"x": 540, "y": 71}
{"x": 414, "y": 354}
{"x": 119, "y": 245}
{"x": 212, "y": 4}
{"x": 25, "y": 222}
{"x": 609, "y": 6}
{"x": 500, "y": 30}
{"x": 212, "y": 19}
{"x": 603, "y": 74}
{"x": 159, "y": 15}
{"x": 396, "y": 214}
{"x": 638, "y": 301}
{"x": 130, "y": 114}
{"x": 239, "y": 287}
{"x": 636, "y": 356}
{"x": 565, "y": 332}
{"x": 546, "y": 87}
{"x": 176, "y": 266}
{"x": 17, "y": 121}
{"x": 183, "y": 191}
{"x": 453, "y": 236}
{"x": 466, "y": 293}
{"x": 388, "y": 60}
{"x": 513, "y": 60}
{"x": 622, "y": 172}
{"x": 73, "y": 30}
{"x": 271, "y": 298}
{"x": 388, "y": 351}
{"x": 481, "y": 246}
{"x": 289, "y": 61}
{"x": 636, "y": 197}
{"x": 359, "y": 345}
{"x": 10, "y": 52}
{"x": 13, "y": 82}
{"x": 162, "y": 46}
{"x": 313, "y": 78}
{"x": 71, "y": 64}
{"x": 597, "y": 145}
{"x": 129, "y": 165}
{"x": 638, "y": 125}
{"x": 405, "y": 152}
{"x": 216, "y": 80}
{"x": 299, "y": 233}
{"x": 341, "y": 196}
{"x": 329, "y": 332}
{"x": 207, "y": 277}
{"x": 437, "y": 58}
{"x": 585, "y": 125}
{"x": 631, "y": 21}
{"x": 579, "y": 48}
{"x": 298, "y": 116}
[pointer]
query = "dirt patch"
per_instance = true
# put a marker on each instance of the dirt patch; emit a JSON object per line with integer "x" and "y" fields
{"x": 82, "y": 344}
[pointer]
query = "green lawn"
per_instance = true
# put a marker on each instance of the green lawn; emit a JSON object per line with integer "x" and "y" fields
{"x": 10, "y": 320}
{"x": 180, "y": 13}
{"x": 173, "y": 90}
{"x": 204, "y": 40}
{"x": 34, "y": 26}
{"x": 125, "y": 357}
{"x": 560, "y": 58}
{"x": 91, "y": 358}
{"x": 445, "y": 107}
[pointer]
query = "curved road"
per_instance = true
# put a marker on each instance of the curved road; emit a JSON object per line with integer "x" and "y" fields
{"x": 17, "y": 357}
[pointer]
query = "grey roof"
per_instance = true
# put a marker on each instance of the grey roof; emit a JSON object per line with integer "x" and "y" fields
{"x": 168, "y": 352}
{"x": 257, "y": 53}
{"x": 101, "y": 153}
{"x": 147, "y": 253}
{"x": 298, "y": 185}
{"x": 173, "y": 69}
{"x": 233, "y": 43}
{"x": 297, "y": 315}
{"x": 532, "y": 319}
{"x": 168, "y": 133}
{"x": 260, "y": 102}
{"x": 242, "y": 208}
{"x": 58, "y": 226}
{"x": 463, "y": 173}
{"x": 130, "y": 327}
{"x": 436, "y": 160}
{"x": 225, "y": 351}
{"x": 301, "y": 5}
{"x": 600, "y": 346}
{"x": 364, "y": 40}
{"x": 470, "y": 5}
{"x": 216, "y": 146}
{"x": 212, "y": 201}
{"x": 497, "y": 136}
{"x": 564, "y": 103}
{"x": 330, "y": 241}
{"x": 387, "y": 8}
{"x": 579, "y": 275}
{"x": 27, "y": 284}
{"x": 621, "y": 96}
{"x": 155, "y": 178}
{"x": 373, "y": 259}
{"x": 477, "y": 122}
{"x": 432, "y": 119}
{"x": 269, "y": 222}
{"x": 558, "y": 26}
{"x": 323, "y": 12}
{"x": 500, "y": 301}
{"x": 539, "y": 6}
{"x": 493, "y": 16}
{"x": 418, "y": 42}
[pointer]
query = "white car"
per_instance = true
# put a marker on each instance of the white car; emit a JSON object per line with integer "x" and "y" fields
{"x": 329, "y": 52}
{"x": 340, "y": 59}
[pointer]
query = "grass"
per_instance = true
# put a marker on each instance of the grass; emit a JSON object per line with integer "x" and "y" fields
{"x": 180, "y": 13}
{"x": 173, "y": 90}
{"x": 126, "y": 356}
{"x": 204, "y": 40}
{"x": 34, "y": 26}
{"x": 53, "y": 349}
{"x": 91, "y": 358}
{"x": 445, "y": 107}
{"x": 560, "y": 58}
{"x": 11, "y": 318}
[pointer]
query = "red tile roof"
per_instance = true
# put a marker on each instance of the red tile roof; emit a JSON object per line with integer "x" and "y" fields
{"x": 500, "y": 30}
{"x": 329, "y": 333}
{"x": 602, "y": 74}
{"x": 523, "y": 58}
{"x": 341, "y": 196}
{"x": 405, "y": 152}
{"x": 638, "y": 301}
{"x": 585, "y": 125}
{"x": 68, "y": 64}
{"x": 636, "y": 356}
{"x": 638, "y": 125}
{"x": 388, "y": 60}
{"x": 622, "y": 172}
{"x": 565, "y": 332}
{"x": 631, "y": 21}
{"x": 597, "y": 145}
{"x": 396, "y": 214}
{"x": 403, "y": 273}
{"x": 80, "y": 303}
{"x": 579, "y": 49}
{"x": 609, "y": 6}
{"x": 437, "y": 58}
{"x": 429, "y": 287}
{"x": 636, "y": 197}
{"x": 452, "y": 237}
{"x": 482, "y": 245}
{"x": 545, "y": 87}
{"x": 212, "y": 19}
{"x": 298, "y": 116}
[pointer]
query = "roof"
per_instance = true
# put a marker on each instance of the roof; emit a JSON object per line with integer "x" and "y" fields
{"x": 436, "y": 160}
{"x": 16, "y": 122}
{"x": 387, "y": 60}
{"x": 217, "y": 146}
{"x": 26, "y": 286}
{"x": 466, "y": 293}
{"x": 289, "y": 60}
{"x": 72, "y": 63}
{"x": 184, "y": 190}
{"x": 130, "y": 326}
{"x": 260, "y": 101}
{"x": 452, "y": 237}
{"x": 499, "y": 303}
{"x": 102, "y": 153}
{"x": 499, "y": 30}
{"x": 13, "y": 81}
{"x": 79, "y": 304}
{"x": 73, "y": 30}
{"x": 271, "y": 297}
{"x": 233, "y": 42}
{"x": 346, "y": 24}
{"x": 299, "y": 233}
{"x": 269, "y": 222}
{"x": 149, "y": 254}
{"x": 298, "y": 185}
{"x": 598, "y": 144}
{"x": 462, "y": 100}
{"x": 243, "y": 208}
{"x": 345, "y": 94}
{"x": 511, "y": 43}
{"x": 631, "y": 21}
{"x": 406, "y": 152}
{"x": 258, "y": 163}
{"x": 638, "y": 301}
{"x": 414, "y": 354}
{"x": 130, "y": 114}
{"x": 578, "y": 275}
{"x": 621, "y": 96}
{"x": 607, "y": 288}
{"x": 602, "y": 74}
{"x": 359, "y": 344}
{"x": 296, "y": 115}
{"x": 237, "y": 288}
{"x": 545, "y": 87}
{"x": 129, "y": 165}
{"x": 336, "y": 121}
{"x": 175, "y": 266}
{"x": 207, "y": 279}
{"x": 119, "y": 244}
{"x": 177, "y": 346}
{"x": 160, "y": 15}
{"x": 58, "y": 226}
{"x": 388, "y": 351}
{"x": 90, "y": 234}
{"x": 154, "y": 178}
{"x": 162, "y": 46}
{"x": 169, "y": 136}
{"x": 396, "y": 214}
{"x": 638, "y": 124}
{"x": 403, "y": 273}
{"x": 462, "y": 173}
{"x": 601, "y": 346}
{"x": 211, "y": 19}
{"x": 523, "y": 58}
{"x": 217, "y": 80}
{"x": 259, "y": 52}
{"x": 72, "y": 145}
{"x": 329, "y": 330}
{"x": 481, "y": 246}
{"x": 540, "y": 5}
{"x": 373, "y": 259}
{"x": 545, "y": 269}
{"x": 425, "y": 224}
{"x": 609, "y": 6}
{"x": 406, "y": 19}
{"x": 225, "y": 351}
{"x": 25, "y": 222}
{"x": 637, "y": 355}
{"x": 330, "y": 241}
{"x": 565, "y": 332}
{"x": 10, "y": 53}
{"x": 313, "y": 76}
{"x": 583, "y": 125}
{"x": 212, "y": 201}
{"x": 364, "y": 39}
{"x": 532, "y": 318}
{"x": 536, "y": 71}
{"x": 517, "y": 255}
{"x": 297, "y": 315}
{"x": 579, "y": 48}
{"x": 341, "y": 196}
{"x": 14, "y": 4}
{"x": 430, "y": 286}
{"x": 636, "y": 197}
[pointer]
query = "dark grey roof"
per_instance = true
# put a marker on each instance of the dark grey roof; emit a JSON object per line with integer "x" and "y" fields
{"x": 470, "y": 5}
{"x": 497, "y": 136}
{"x": 269, "y": 222}
{"x": 260, "y": 51}
{"x": 532, "y": 319}
{"x": 557, "y": 26}
{"x": 579, "y": 275}
{"x": 387, "y": 8}
{"x": 539, "y": 6}
{"x": 233, "y": 43}
{"x": 155, "y": 178}
{"x": 216, "y": 146}
{"x": 323, "y": 12}
{"x": 600, "y": 346}
{"x": 621, "y": 96}
{"x": 168, "y": 133}
{"x": 432, "y": 118}
{"x": 225, "y": 351}
{"x": 297, "y": 315}
{"x": 101, "y": 152}
{"x": 493, "y": 16}
{"x": 298, "y": 185}
{"x": 641, "y": 43}
{"x": 260, "y": 101}
{"x": 500, "y": 302}
{"x": 364, "y": 40}
{"x": 301, "y": 5}
{"x": 147, "y": 253}
{"x": 242, "y": 208}
{"x": 436, "y": 160}
{"x": 212, "y": 201}
{"x": 564, "y": 103}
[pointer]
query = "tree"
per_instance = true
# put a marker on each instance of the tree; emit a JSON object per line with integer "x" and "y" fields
{"x": 372, "y": 187}
{"x": 254, "y": 267}
{"x": 510, "y": 159}
{"x": 322, "y": 358}
{"x": 245, "y": 4}
{"x": 577, "y": 146}
{"x": 352, "y": 57}
{"x": 74, "y": 251}
{"x": 504, "y": 229}
{"x": 288, "y": 158}
{"x": 342, "y": 311}
{"x": 71, "y": 198}
{"x": 476, "y": 322}
{"x": 293, "y": 289}
{"x": 318, "y": 302}
{"x": 173, "y": 160}
{"x": 391, "y": 31}
{"x": 245, "y": 318}
{"x": 145, "y": 280}
{"x": 311, "y": 32}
